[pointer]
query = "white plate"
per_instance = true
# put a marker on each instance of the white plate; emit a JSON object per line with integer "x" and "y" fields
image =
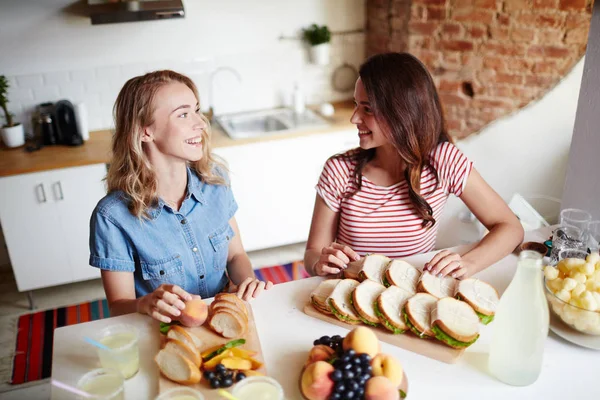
{"x": 566, "y": 332}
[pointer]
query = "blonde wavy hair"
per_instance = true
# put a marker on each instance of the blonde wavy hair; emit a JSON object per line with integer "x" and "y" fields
{"x": 130, "y": 170}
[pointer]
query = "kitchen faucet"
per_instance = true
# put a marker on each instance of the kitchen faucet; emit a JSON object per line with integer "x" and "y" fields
{"x": 210, "y": 114}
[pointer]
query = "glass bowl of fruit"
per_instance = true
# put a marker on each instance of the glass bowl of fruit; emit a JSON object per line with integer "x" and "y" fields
{"x": 573, "y": 290}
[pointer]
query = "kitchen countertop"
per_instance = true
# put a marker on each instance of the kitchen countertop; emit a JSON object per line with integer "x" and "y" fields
{"x": 97, "y": 150}
{"x": 286, "y": 335}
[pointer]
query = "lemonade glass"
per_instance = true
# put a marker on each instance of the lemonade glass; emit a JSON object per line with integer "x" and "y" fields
{"x": 103, "y": 384}
{"x": 258, "y": 388}
{"x": 181, "y": 393}
{"x": 124, "y": 353}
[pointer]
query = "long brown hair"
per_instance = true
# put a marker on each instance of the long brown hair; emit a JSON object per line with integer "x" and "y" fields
{"x": 130, "y": 170}
{"x": 406, "y": 105}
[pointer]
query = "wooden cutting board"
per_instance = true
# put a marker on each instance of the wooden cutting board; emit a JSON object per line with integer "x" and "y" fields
{"x": 211, "y": 339}
{"x": 426, "y": 347}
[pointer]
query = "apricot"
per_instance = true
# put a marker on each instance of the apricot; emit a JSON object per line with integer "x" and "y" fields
{"x": 388, "y": 366}
{"x": 319, "y": 352}
{"x": 315, "y": 382}
{"x": 362, "y": 340}
{"x": 194, "y": 313}
{"x": 381, "y": 388}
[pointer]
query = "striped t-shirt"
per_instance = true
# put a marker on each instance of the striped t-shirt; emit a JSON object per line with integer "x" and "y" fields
{"x": 383, "y": 220}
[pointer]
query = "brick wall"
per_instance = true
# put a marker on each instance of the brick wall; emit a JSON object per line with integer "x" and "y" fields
{"x": 488, "y": 57}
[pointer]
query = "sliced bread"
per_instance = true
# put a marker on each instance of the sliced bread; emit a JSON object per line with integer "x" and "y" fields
{"x": 481, "y": 296}
{"x": 439, "y": 287}
{"x": 454, "y": 322}
{"x": 402, "y": 274}
{"x": 226, "y": 305}
{"x": 231, "y": 297}
{"x": 179, "y": 347}
{"x": 177, "y": 368}
{"x": 373, "y": 267}
{"x": 389, "y": 308}
{"x": 227, "y": 324}
{"x": 319, "y": 296}
{"x": 417, "y": 312}
{"x": 340, "y": 304}
{"x": 364, "y": 297}
{"x": 190, "y": 340}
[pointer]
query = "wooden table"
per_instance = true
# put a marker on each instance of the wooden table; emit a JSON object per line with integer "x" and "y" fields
{"x": 286, "y": 335}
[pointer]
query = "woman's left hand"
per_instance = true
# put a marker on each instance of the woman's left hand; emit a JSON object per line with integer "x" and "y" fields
{"x": 448, "y": 263}
{"x": 250, "y": 288}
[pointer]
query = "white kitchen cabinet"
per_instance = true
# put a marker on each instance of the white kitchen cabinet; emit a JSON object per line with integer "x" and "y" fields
{"x": 45, "y": 218}
{"x": 273, "y": 183}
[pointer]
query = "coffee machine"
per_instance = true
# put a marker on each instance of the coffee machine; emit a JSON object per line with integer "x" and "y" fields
{"x": 56, "y": 123}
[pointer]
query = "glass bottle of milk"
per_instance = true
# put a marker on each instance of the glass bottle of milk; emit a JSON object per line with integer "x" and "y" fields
{"x": 521, "y": 325}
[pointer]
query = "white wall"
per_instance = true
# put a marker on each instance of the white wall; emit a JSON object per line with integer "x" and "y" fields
{"x": 524, "y": 153}
{"x": 50, "y": 53}
{"x": 582, "y": 186}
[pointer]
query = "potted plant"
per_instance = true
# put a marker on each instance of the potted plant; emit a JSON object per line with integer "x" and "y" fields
{"x": 12, "y": 132}
{"x": 318, "y": 37}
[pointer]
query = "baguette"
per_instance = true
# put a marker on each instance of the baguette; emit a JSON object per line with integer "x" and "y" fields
{"x": 190, "y": 340}
{"x": 228, "y": 324}
{"x": 180, "y": 348}
{"x": 176, "y": 367}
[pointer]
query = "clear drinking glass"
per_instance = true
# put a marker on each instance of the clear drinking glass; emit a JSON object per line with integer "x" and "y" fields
{"x": 566, "y": 237}
{"x": 124, "y": 353}
{"x": 572, "y": 253}
{"x": 575, "y": 217}
{"x": 103, "y": 384}
{"x": 181, "y": 393}
{"x": 258, "y": 388}
{"x": 594, "y": 235}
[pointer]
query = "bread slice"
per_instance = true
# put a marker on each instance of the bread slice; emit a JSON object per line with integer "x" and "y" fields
{"x": 444, "y": 286}
{"x": 227, "y": 324}
{"x": 388, "y": 308}
{"x": 363, "y": 299}
{"x": 179, "y": 347}
{"x": 402, "y": 274}
{"x": 353, "y": 269}
{"x": 455, "y": 323}
{"x": 177, "y": 368}
{"x": 373, "y": 267}
{"x": 234, "y": 299}
{"x": 417, "y": 314}
{"x": 180, "y": 334}
{"x": 226, "y": 305}
{"x": 319, "y": 296}
{"x": 340, "y": 304}
{"x": 481, "y": 296}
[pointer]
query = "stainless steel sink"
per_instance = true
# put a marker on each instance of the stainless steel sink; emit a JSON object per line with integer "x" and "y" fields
{"x": 268, "y": 122}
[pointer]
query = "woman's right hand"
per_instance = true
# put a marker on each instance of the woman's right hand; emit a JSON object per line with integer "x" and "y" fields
{"x": 165, "y": 303}
{"x": 334, "y": 259}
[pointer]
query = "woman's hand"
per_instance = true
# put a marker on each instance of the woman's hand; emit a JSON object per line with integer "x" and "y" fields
{"x": 334, "y": 259}
{"x": 446, "y": 263}
{"x": 250, "y": 288}
{"x": 165, "y": 303}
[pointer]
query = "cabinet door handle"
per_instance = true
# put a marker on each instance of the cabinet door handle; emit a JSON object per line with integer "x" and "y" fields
{"x": 60, "y": 191}
{"x": 40, "y": 190}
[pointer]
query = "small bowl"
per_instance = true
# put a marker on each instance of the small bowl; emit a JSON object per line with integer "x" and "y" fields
{"x": 534, "y": 246}
{"x": 580, "y": 319}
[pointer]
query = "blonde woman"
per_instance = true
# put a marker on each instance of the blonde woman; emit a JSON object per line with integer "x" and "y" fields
{"x": 166, "y": 230}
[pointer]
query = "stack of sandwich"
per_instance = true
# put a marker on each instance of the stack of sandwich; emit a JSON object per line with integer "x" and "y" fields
{"x": 398, "y": 297}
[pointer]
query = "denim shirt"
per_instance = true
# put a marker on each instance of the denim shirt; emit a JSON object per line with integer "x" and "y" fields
{"x": 187, "y": 247}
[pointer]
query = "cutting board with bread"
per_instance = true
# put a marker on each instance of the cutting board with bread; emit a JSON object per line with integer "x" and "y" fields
{"x": 438, "y": 317}
{"x": 214, "y": 346}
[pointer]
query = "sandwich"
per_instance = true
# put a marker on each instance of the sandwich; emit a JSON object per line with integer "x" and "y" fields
{"x": 441, "y": 287}
{"x": 319, "y": 296}
{"x": 481, "y": 296}
{"x": 388, "y": 308}
{"x": 340, "y": 302}
{"x": 373, "y": 268}
{"x": 455, "y": 323}
{"x": 402, "y": 274}
{"x": 363, "y": 300}
{"x": 417, "y": 314}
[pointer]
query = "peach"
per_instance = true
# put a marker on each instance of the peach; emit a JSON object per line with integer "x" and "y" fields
{"x": 319, "y": 352}
{"x": 194, "y": 313}
{"x": 388, "y": 366}
{"x": 315, "y": 382}
{"x": 381, "y": 388}
{"x": 362, "y": 340}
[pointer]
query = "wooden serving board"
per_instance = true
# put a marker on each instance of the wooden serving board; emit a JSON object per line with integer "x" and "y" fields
{"x": 427, "y": 347}
{"x": 211, "y": 339}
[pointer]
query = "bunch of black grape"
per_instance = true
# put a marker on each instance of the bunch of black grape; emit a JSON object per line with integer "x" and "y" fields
{"x": 222, "y": 377}
{"x": 351, "y": 370}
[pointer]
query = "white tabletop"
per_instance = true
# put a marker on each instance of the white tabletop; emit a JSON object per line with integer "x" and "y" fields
{"x": 286, "y": 335}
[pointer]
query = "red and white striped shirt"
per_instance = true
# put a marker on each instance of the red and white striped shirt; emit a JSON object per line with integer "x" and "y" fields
{"x": 383, "y": 220}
